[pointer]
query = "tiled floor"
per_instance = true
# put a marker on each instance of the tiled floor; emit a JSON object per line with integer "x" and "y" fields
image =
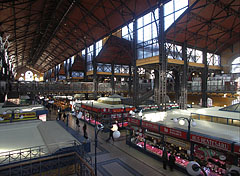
{"x": 118, "y": 159}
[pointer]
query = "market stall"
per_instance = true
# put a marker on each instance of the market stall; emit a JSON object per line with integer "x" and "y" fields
{"x": 215, "y": 155}
{"x": 105, "y": 111}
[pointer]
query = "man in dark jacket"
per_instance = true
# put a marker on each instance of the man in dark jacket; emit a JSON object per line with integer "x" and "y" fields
{"x": 171, "y": 161}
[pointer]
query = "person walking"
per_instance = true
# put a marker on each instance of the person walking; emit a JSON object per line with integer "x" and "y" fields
{"x": 165, "y": 158}
{"x": 59, "y": 116}
{"x": 110, "y": 136}
{"x": 172, "y": 160}
{"x": 64, "y": 116}
{"x": 77, "y": 123}
{"x": 85, "y": 131}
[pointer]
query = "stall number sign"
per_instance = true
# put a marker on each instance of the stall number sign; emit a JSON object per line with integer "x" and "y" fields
{"x": 173, "y": 132}
{"x": 134, "y": 121}
{"x": 237, "y": 149}
{"x": 150, "y": 126}
{"x": 210, "y": 142}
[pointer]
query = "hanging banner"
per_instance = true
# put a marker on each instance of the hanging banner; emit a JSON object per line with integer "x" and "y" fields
{"x": 134, "y": 121}
{"x": 150, "y": 126}
{"x": 173, "y": 132}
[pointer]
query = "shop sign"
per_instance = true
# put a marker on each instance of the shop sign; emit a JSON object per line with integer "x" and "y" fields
{"x": 134, "y": 121}
{"x": 210, "y": 142}
{"x": 173, "y": 132}
{"x": 150, "y": 126}
{"x": 237, "y": 148}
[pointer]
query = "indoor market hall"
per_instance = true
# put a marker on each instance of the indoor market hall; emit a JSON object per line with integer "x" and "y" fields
{"x": 120, "y": 88}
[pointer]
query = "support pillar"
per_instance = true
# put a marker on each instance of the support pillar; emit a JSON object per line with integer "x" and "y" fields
{"x": 177, "y": 85}
{"x": 183, "y": 98}
{"x": 112, "y": 79}
{"x": 161, "y": 92}
{"x": 85, "y": 65}
{"x": 130, "y": 81}
{"x": 204, "y": 79}
{"x": 135, "y": 68}
{"x": 95, "y": 81}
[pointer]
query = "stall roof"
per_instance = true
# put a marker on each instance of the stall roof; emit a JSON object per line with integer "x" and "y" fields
{"x": 78, "y": 64}
{"x": 232, "y": 108}
{"x": 117, "y": 51}
{"x": 62, "y": 70}
{"x": 214, "y": 25}
{"x": 215, "y": 112}
{"x": 227, "y": 132}
{"x": 96, "y": 104}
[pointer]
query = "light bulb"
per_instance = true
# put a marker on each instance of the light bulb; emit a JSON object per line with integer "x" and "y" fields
{"x": 194, "y": 123}
{"x": 175, "y": 120}
{"x": 181, "y": 122}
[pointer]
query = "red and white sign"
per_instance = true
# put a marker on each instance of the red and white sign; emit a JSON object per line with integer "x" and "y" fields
{"x": 173, "y": 132}
{"x": 210, "y": 142}
{"x": 237, "y": 148}
{"x": 43, "y": 117}
{"x": 134, "y": 121}
{"x": 150, "y": 126}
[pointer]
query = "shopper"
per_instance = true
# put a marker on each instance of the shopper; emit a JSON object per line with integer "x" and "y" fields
{"x": 85, "y": 131}
{"x": 64, "y": 116}
{"x": 59, "y": 116}
{"x": 165, "y": 158}
{"x": 110, "y": 136}
{"x": 172, "y": 160}
{"x": 77, "y": 122}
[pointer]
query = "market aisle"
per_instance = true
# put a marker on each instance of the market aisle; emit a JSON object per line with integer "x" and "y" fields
{"x": 117, "y": 158}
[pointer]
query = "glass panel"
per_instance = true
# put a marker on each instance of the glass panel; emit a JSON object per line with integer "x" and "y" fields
{"x": 178, "y": 13}
{"x": 147, "y": 52}
{"x": 215, "y": 119}
{"x": 168, "y": 8}
{"x": 147, "y": 19}
{"x": 222, "y": 120}
{"x": 140, "y": 53}
{"x": 139, "y": 22}
{"x": 180, "y": 4}
{"x": 168, "y": 20}
{"x": 199, "y": 56}
{"x": 154, "y": 30}
{"x": 156, "y": 13}
{"x": 236, "y": 123}
{"x": 147, "y": 32}
{"x": 140, "y": 35}
{"x": 207, "y": 118}
{"x": 195, "y": 116}
{"x": 155, "y": 49}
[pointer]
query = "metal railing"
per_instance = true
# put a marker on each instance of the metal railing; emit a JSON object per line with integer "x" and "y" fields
{"x": 19, "y": 155}
{"x": 88, "y": 87}
{"x": 69, "y": 158}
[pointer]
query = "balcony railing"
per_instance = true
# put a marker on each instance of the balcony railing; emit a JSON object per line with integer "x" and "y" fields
{"x": 88, "y": 87}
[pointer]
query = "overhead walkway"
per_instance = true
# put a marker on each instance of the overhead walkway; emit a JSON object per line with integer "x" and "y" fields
{"x": 88, "y": 87}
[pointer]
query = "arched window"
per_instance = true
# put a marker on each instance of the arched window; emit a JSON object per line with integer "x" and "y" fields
{"x": 236, "y": 65}
{"x": 29, "y": 76}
